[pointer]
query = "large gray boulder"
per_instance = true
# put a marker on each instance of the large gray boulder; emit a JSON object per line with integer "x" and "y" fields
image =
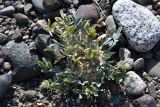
{"x": 24, "y": 63}
{"x": 139, "y": 24}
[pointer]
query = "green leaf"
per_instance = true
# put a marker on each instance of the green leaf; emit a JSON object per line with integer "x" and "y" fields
{"x": 41, "y": 64}
{"x": 85, "y": 24}
{"x": 62, "y": 14}
{"x": 54, "y": 85}
{"x": 48, "y": 49}
{"x": 44, "y": 61}
{"x": 49, "y": 22}
{"x": 117, "y": 34}
{"x": 56, "y": 69}
{"x": 78, "y": 21}
{"x": 49, "y": 64}
{"x": 66, "y": 80}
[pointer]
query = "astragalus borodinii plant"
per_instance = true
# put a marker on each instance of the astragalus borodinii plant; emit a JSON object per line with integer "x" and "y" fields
{"x": 88, "y": 66}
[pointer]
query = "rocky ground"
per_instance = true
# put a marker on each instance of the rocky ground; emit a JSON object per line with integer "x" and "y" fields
{"x": 23, "y": 40}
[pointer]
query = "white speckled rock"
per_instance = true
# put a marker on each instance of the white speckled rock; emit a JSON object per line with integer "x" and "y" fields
{"x": 139, "y": 24}
{"x": 133, "y": 84}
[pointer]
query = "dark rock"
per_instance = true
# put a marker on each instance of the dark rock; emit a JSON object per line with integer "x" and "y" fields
{"x": 152, "y": 67}
{"x": 5, "y": 81}
{"x": 146, "y": 55}
{"x": 27, "y": 8}
{"x": 8, "y": 11}
{"x": 67, "y": 4}
{"x": 157, "y": 55}
{"x": 85, "y": 1}
{"x": 3, "y": 38}
{"x": 88, "y": 12}
{"x": 38, "y": 30}
{"x": 42, "y": 41}
{"x": 38, "y": 4}
{"x": 144, "y": 2}
{"x": 145, "y": 101}
{"x": 52, "y": 5}
{"x": 24, "y": 63}
{"x": 52, "y": 15}
{"x": 112, "y": 1}
{"x": 21, "y": 19}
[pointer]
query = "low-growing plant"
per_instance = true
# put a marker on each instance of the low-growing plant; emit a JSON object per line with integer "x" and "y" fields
{"x": 88, "y": 66}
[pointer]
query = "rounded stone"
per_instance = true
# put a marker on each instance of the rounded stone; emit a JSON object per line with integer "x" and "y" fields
{"x": 6, "y": 65}
{"x": 21, "y": 19}
{"x": 139, "y": 24}
{"x": 111, "y": 26}
{"x": 88, "y": 12}
{"x": 133, "y": 84}
{"x": 139, "y": 64}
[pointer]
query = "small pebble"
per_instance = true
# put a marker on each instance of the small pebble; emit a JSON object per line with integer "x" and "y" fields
{"x": 26, "y": 37}
{"x": 6, "y": 66}
{"x": 139, "y": 64}
{"x": 40, "y": 105}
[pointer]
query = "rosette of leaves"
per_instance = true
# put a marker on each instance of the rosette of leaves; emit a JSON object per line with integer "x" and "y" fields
{"x": 88, "y": 66}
